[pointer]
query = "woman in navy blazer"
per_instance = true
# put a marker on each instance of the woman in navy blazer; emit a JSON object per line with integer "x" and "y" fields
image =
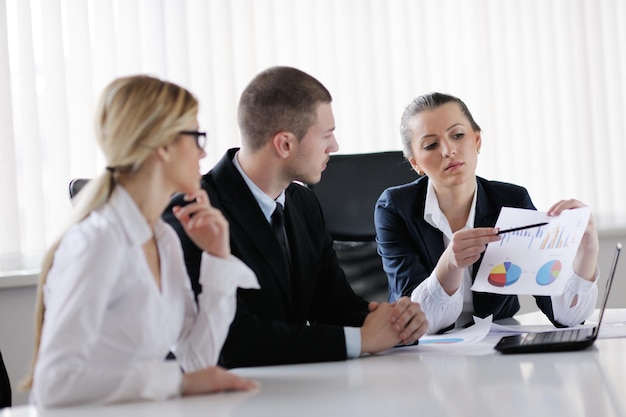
{"x": 432, "y": 232}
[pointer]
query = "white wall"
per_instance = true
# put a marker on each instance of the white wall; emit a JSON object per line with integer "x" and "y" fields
{"x": 17, "y": 334}
{"x": 17, "y": 304}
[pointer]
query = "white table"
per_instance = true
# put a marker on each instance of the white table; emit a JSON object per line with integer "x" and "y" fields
{"x": 410, "y": 382}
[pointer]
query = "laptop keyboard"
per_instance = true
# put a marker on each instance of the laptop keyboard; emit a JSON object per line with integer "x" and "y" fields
{"x": 555, "y": 337}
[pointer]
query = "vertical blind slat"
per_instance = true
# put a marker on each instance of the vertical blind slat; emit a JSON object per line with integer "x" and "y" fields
{"x": 10, "y": 238}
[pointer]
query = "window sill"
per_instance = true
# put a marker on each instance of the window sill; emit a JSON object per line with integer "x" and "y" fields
{"x": 15, "y": 279}
{"x": 27, "y": 278}
{"x": 609, "y": 233}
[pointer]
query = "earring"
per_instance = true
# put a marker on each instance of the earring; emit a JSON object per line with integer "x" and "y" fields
{"x": 419, "y": 172}
{"x": 477, "y": 151}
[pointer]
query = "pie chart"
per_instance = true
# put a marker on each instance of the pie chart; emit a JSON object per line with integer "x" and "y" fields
{"x": 504, "y": 274}
{"x": 549, "y": 272}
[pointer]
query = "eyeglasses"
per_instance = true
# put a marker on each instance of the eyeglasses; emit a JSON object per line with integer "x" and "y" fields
{"x": 200, "y": 137}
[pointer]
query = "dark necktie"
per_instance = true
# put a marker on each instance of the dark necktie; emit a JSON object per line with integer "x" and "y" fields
{"x": 278, "y": 225}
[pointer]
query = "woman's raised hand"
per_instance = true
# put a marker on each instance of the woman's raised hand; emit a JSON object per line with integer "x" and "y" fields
{"x": 204, "y": 224}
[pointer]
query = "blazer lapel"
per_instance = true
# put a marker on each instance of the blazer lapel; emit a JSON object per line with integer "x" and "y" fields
{"x": 431, "y": 237}
{"x": 243, "y": 211}
{"x": 489, "y": 215}
{"x": 484, "y": 303}
{"x": 294, "y": 226}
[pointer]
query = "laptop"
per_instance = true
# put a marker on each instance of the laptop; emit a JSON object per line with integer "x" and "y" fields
{"x": 563, "y": 340}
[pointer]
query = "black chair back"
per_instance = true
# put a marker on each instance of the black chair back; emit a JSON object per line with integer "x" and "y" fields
{"x": 350, "y": 186}
{"x": 76, "y": 185}
{"x": 347, "y": 192}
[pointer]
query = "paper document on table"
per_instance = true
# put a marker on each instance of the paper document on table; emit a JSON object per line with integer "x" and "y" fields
{"x": 536, "y": 261}
{"x": 613, "y": 323}
{"x": 467, "y": 336}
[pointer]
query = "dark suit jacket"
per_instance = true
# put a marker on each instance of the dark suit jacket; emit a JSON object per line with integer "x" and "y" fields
{"x": 270, "y": 326}
{"x": 410, "y": 247}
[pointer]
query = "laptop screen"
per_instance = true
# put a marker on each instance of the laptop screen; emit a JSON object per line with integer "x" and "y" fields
{"x": 609, "y": 282}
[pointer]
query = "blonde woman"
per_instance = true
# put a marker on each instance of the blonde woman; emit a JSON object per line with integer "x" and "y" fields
{"x": 114, "y": 296}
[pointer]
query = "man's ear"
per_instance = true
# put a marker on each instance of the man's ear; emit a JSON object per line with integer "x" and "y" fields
{"x": 283, "y": 143}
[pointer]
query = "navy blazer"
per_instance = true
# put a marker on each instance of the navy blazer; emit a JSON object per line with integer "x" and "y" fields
{"x": 270, "y": 325}
{"x": 410, "y": 247}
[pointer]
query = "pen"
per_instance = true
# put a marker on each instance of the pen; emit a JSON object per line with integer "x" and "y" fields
{"x": 515, "y": 229}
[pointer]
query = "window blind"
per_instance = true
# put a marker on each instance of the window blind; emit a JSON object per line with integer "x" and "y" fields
{"x": 543, "y": 78}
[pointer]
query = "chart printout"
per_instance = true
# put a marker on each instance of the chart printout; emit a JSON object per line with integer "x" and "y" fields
{"x": 536, "y": 261}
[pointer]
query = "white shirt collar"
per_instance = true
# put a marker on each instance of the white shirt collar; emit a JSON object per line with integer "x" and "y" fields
{"x": 134, "y": 224}
{"x": 435, "y": 217}
{"x": 267, "y": 203}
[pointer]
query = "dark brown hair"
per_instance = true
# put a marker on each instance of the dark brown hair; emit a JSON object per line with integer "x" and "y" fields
{"x": 279, "y": 99}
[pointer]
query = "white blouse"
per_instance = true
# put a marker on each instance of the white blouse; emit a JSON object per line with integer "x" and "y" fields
{"x": 107, "y": 326}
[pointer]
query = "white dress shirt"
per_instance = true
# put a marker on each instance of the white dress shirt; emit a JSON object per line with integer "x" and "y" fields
{"x": 107, "y": 326}
{"x": 442, "y": 309}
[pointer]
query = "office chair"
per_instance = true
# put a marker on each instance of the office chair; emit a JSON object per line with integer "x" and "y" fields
{"x": 347, "y": 192}
{"x": 5, "y": 385}
{"x": 76, "y": 185}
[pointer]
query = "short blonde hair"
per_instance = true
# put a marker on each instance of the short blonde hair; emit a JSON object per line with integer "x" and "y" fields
{"x": 138, "y": 114}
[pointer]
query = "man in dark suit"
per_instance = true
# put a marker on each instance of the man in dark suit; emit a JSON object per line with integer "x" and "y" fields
{"x": 305, "y": 310}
